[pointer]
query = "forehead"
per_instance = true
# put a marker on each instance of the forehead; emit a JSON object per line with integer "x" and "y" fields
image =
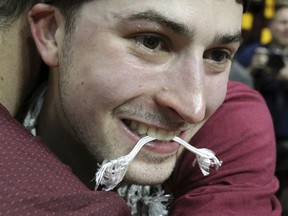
{"x": 223, "y": 15}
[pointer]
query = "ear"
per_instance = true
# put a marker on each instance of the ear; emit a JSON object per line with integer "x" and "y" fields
{"x": 44, "y": 26}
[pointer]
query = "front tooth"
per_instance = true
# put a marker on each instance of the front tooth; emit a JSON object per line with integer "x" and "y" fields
{"x": 142, "y": 129}
{"x": 171, "y": 135}
{"x": 151, "y": 132}
{"x": 161, "y": 135}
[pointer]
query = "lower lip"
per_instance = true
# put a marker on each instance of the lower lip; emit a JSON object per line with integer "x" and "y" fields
{"x": 161, "y": 147}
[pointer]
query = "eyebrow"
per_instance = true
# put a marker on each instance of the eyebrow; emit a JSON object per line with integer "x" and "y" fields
{"x": 229, "y": 38}
{"x": 156, "y": 17}
{"x": 179, "y": 28}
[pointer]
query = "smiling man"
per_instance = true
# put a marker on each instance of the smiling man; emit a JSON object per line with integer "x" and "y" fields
{"x": 123, "y": 69}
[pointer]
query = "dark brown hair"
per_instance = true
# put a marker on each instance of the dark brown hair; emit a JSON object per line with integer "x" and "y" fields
{"x": 10, "y": 10}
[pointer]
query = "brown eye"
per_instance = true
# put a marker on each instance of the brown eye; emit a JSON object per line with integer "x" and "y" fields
{"x": 217, "y": 55}
{"x": 151, "y": 42}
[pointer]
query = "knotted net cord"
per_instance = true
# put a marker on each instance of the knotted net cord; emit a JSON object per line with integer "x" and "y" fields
{"x": 112, "y": 172}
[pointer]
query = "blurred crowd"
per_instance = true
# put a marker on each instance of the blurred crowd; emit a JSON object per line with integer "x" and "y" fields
{"x": 264, "y": 67}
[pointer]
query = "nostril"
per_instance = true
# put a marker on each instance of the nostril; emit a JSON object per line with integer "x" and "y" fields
{"x": 165, "y": 88}
{"x": 188, "y": 106}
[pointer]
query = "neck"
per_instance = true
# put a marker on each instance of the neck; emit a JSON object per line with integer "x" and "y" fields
{"x": 18, "y": 72}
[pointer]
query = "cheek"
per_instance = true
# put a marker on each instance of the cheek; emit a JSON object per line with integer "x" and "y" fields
{"x": 216, "y": 92}
{"x": 105, "y": 71}
{"x": 101, "y": 85}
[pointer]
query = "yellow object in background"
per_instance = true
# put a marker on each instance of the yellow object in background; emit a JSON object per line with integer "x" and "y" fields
{"x": 247, "y": 21}
{"x": 269, "y": 2}
{"x": 265, "y": 36}
{"x": 269, "y": 11}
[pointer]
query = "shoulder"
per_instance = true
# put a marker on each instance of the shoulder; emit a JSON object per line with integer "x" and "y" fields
{"x": 34, "y": 181}
{"x": 241, "y": 134}
{"x": 237, "y": 91}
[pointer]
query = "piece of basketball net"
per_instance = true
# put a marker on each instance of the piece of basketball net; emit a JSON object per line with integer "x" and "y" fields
{"x": 112, "y": 172}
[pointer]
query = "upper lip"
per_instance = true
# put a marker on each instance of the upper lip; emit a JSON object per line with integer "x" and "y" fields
{"x": 167, "y": 125}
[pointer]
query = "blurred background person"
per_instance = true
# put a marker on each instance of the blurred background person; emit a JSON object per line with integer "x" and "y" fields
{"x": 268, "y": 66}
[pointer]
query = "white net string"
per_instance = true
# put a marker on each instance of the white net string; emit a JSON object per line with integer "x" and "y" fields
{"x": 112, "y": 172}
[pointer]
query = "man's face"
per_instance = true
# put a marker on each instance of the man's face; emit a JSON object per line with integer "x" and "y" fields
{"x": 279, "y": 27}
{"x": 136, "y": 68}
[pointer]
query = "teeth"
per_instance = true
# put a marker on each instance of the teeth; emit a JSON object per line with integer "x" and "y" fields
{"x": 151, "y": 132}
{"x": 142, "y": 129}
{"x": 159, "y": 134}
{"x": 163, "y": 135}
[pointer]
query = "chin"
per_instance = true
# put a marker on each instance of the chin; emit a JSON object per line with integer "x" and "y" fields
{"x": 142, "y": 173}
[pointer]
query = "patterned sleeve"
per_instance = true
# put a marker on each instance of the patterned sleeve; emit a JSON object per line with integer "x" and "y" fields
{"x": 33, "y": 181}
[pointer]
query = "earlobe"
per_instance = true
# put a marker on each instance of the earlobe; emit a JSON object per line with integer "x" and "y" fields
{"x": 43, "y": 24}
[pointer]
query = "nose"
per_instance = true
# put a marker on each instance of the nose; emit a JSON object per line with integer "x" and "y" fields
{"x": 183, "y": 91}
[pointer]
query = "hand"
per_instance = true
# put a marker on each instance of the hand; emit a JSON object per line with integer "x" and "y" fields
{"x": 259, "y": 59}
{"x": 283, "y": 74}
